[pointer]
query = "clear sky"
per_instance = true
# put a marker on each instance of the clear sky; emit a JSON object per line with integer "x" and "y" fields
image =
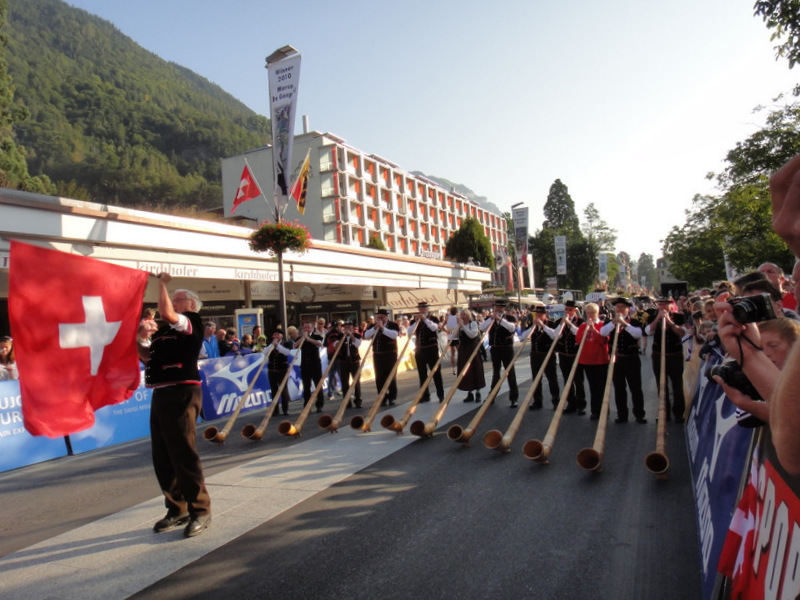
{"x": 629, "y": 103}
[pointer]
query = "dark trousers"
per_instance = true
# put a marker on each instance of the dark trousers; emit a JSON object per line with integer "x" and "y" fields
{"x": 311, "y": 375}
{"x": 501, "y": 358}
{"x": 346, "y": 371}
{"x": 576, "y": 400}
{"x": 426, "y": 359}
{"x": 173, "y": 414}
{"x": 383, "y": 363}
{"x": 675, "y": 379}
{"x": 537, "y": 360}
{"x": 596, "y": 377}
{"x": 628, "y": 371}
{"x": 332, "y": 378}
{"x": 275, "y": 379}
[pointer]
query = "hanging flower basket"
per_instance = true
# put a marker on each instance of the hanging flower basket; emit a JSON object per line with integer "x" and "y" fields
{"x": 277, "y": 238}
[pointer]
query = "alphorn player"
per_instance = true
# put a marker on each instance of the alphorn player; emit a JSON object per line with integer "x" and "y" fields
{"x": 425, "y": 330}
{"x": 384, "y": 353}
{"x": 310, "y": 364}
{"x": 628, "y": 367}
{"x": 349, "y": 360}
{"x": 277, "y": 366}
{"x": 542, "y": 334}
{"x": 567, "y": 348}
{"x": 673, "y": 355}
{"x": 468, "y": 336}
{"x": 501, "y": 342}
{"x": 594, "y": 357}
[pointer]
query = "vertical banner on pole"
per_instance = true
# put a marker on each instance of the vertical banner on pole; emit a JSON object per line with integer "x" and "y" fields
{"x": 530, "y": 272}
{"x": 520, "y": 217}
{"x": 561, "y": 254}
{"x": 602, "y": 271}
{"x": 283, "y": 68}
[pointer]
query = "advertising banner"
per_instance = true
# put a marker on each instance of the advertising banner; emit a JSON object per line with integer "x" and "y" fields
{"x": 284, "y": 79}
{"x": 561, "y": 254}
{"x": 718, "y": 457}
{"x": 602, "y": 271}
{"x": 520, "y": 217}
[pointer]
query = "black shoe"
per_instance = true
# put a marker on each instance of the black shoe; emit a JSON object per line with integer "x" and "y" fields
{"x": 513, "y": 404}
{"x": 621, "y": 420}
{"x": 358, "y": 403}
{"x": 535, "y": 406}
{"x": 319, "y": 409}
{"x": 477, "y": 398}
{"x": 441, "y": 399}
{"x": 469, "y": 398}
{"x": 425, "y": 399}
{"x": 170, "y": 522}
{"x": 391, "y": 401}
{"x": 581, "y": 411}
{"x": 641, "y": 420}
{"x": 384, "y": 403}
{"x": 197, "y": 526}
{"x": 570, "y": 409}
{"x": 594, "y": 417}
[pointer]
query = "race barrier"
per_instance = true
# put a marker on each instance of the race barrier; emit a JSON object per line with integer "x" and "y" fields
{"x": 224, "y": 380}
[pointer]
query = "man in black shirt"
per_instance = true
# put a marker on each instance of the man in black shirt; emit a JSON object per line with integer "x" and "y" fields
{"x": 384, "y": 352}
{"x": 673, "y": 355}
{"x": 171, "y": 369}
{"x": 628, "y": 366}
{"x": 425, "y": 330}
{"x": 501, "y": 342}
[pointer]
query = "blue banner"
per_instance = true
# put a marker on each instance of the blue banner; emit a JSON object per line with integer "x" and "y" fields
{"x": 18, "y": 448}
{"x": 225, "y": 380}
{"x": 718, "y": 455}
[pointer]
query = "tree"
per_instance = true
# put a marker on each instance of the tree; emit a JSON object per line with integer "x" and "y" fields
{"x": 470, "y": 242}
{"x": 782, "y": 16}
{"x": 597, "y": 231}
{"x": 559, "y": 210}
{"x": 376, "y": 243}
{"x": 13, "y": 167}
{"x": 646, "y": 270}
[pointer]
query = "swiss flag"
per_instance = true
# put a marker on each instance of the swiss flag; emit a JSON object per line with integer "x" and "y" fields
{"x": 248, "y": 188}
{"x": 74, "y": 321}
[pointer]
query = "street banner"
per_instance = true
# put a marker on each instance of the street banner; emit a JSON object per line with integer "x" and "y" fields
{"x": 602, "y": 271}
{"x": 284, "y": 78}
{"x": 530, "y": 272}
{"x": 718, "y": 456}
{"x": 520, "y": 217}
{"x": 74, "y": 321}
{"x": 561, "y": 254}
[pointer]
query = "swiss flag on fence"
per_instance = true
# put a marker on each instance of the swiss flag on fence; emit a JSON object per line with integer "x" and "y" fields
{"x": 247, "y": 190}
{"x": 74, "y": 321}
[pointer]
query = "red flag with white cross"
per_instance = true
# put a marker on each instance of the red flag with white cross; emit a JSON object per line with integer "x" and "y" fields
{"x": 247, "y": 190}
{"x": 74, "y": 321}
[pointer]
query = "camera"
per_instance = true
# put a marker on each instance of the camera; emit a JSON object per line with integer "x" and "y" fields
{"x": 752, "y": 309}
{"x": 731, "y": 373}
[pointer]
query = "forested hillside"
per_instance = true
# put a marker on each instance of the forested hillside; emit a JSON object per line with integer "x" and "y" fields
{"x": 112, "y": 122}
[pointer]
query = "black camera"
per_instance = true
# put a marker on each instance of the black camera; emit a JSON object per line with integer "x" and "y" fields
{"x": 731, "y": 373}
{"x": 752, "y": 309}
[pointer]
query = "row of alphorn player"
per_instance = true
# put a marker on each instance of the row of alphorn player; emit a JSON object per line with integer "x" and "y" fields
{"x": 588, "y": 458}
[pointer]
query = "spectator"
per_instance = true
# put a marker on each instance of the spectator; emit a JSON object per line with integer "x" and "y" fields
{"x": 766, "y": 287}
{"x": 775, "y": 274}
{"x": 210, "y": 345}
{"x": 8, "y": 361}
{"x": 247, "y": 341}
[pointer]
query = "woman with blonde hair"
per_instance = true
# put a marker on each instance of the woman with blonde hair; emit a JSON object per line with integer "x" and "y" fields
{"x": 468, "y": 337}
{"x": 594, "y": 356}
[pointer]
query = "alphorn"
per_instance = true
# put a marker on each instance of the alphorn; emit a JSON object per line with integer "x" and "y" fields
{"x": 591, "y": 459}
{"x": 365, "y": 424}
{"x": 540, "y": 451}
{"x": 462, "y": 436}
{"x": 332, "y": 423}
{"x": 389, "y": 422}
{"x": 657, "y": 461}
{"x": 251, "y": 432}
{"x": 286, "y": 427}
{"x": 494, "y": 439}
{"x": 419, "y": 428}
{"x": 212, "y": 434}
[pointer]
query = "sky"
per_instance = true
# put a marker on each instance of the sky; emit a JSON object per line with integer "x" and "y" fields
{"x": 629, "y": 103}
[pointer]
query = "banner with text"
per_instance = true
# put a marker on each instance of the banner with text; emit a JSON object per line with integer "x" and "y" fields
{"x": 561, "y": 254}
{"x": 520, "y": 217}
{"x": 284, "y": 79}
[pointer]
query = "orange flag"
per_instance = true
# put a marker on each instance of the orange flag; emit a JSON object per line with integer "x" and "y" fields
{"x": 300, "y": 185}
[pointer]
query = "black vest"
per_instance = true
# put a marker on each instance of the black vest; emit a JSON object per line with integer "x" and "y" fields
{"x": 173, "y": 355}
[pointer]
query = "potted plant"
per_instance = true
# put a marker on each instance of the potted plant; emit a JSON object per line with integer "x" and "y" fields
{"x": 277, "y": 238}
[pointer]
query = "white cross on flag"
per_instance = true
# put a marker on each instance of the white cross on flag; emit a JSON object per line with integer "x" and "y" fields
{"x": 74, "y": 321}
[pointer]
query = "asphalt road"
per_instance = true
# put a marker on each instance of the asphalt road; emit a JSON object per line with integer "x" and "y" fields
{"x": 434, "y": 519}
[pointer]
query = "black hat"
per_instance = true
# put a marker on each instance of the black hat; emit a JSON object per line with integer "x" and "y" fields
{"x": 500, "y": 302}
{"x": 540, "y": 308}
{"x": 348, "y": 322}
{"x": 663, "y": 299}
{"x": 622, "y": 300}
{"x": 277, "y": 331}
{"x": 570, "y": 304}
{"x": 422, "y": 305}
{"x": 382, "y": 311}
